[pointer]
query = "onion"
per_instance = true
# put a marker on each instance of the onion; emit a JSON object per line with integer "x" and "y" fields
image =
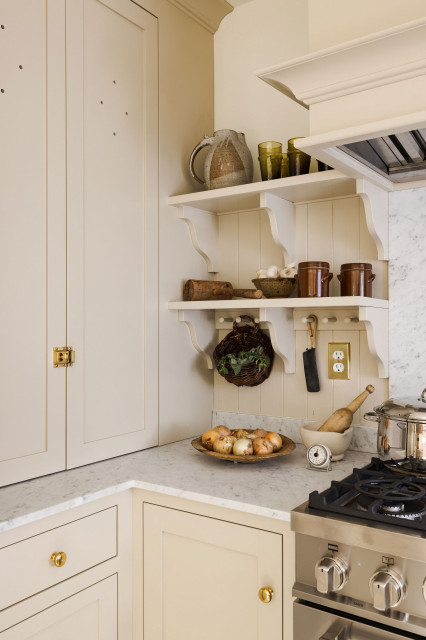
{"x": 262, "y": 446}
{"x": 223, "y": 444}
{"x": 222, "y": 430}
{"x": 240, "y": 433}
{"x": 251, "y": 436}
{"x": 260, "y": 433}
{"x": 275, "y": 439}
{"x": 243, "y": 447}
{"x": 208, "y": 438}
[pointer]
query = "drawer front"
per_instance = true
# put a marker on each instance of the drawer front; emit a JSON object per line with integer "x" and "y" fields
{"x": 27, "y": 568}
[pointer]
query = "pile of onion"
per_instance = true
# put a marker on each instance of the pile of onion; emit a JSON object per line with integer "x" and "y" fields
{"x": 241, "y": 442}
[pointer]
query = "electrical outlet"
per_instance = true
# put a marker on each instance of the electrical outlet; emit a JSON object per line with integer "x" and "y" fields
{"x": 338, "y": 360}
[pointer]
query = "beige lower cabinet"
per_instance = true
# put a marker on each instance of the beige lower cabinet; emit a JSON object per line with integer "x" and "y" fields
{"x": 90, "y": 614}
{"x": 202, "y": 577}
{"x": 69, "y": 576}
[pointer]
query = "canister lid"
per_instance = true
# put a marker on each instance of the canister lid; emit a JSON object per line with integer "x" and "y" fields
{"x": 313, "y": 264}
{"x": 364, "y": 266}
{"x": 409, "y": 409}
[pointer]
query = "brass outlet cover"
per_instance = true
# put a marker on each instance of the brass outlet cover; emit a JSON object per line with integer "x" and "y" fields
{"x": 339, "y": 358}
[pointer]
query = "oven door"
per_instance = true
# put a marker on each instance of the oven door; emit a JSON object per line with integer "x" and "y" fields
{"x": 311, "y": 623}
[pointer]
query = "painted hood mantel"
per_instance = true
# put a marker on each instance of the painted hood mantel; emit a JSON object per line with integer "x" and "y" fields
{"x": 367, "y": 104}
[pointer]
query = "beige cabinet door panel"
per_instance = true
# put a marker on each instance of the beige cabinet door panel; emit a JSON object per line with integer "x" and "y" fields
{"x": 202, "y": 577}
{"x": 32, "y": 238}
{"x": 88, "y": 615}
{"x": 112, "y": 202}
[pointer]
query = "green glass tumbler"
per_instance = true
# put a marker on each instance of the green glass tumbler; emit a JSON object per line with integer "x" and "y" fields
{"x": 298, "y": 161}
{"x": 270, "y": 160}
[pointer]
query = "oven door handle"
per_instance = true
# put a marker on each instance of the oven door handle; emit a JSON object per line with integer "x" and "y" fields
{"x": 339, "y": 630}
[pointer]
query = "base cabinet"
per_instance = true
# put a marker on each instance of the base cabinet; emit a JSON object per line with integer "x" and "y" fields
{"x": 202, "y": 578}
{"x": 90, "y": 614}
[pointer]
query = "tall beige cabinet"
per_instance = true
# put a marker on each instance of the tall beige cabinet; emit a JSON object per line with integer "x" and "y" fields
{"x": 78, "y": 232}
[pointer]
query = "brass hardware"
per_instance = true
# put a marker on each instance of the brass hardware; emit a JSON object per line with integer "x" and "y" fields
{"x": 339, "y": 356}
{"x": 265, "y": 594}
{"x": 63, "y": 356}
{"x": 59, "y": 558}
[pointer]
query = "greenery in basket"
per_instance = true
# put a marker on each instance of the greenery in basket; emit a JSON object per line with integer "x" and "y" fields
{"x": 239, "y": 360}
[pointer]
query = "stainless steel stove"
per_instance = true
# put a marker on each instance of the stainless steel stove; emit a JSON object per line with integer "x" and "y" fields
{"x": 361, "y": 556}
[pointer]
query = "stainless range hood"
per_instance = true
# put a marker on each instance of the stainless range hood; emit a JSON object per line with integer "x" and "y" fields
{"x": 367, "y": 104}
{"x": 400, "y": 157}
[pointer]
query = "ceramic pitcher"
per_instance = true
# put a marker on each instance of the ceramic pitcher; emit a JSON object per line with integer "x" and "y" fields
{"x": 228, "y": 162}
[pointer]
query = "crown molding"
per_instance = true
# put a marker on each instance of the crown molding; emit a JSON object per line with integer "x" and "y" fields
{"x": 208, "y": 13}
{"x": 382, "y": 58}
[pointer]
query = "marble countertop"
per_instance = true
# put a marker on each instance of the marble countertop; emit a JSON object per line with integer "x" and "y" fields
{"x": 270, "y": 488}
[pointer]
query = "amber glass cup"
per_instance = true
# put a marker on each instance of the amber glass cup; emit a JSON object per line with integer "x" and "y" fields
{"x": 270, "y": 160}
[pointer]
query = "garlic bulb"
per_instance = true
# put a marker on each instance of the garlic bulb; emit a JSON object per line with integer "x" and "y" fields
{"x": 275, "y": 439}
{"x": 261, "y": 273}
{"x": 262, "y": 446}
{"x": 222, "y": 430}
{"x": 243, "y": 447}
{"x": 289, "y": 271}
{"x": 208, "y": 438}
{"x": 224, "y": 444}
{"x": 272, "y": 271}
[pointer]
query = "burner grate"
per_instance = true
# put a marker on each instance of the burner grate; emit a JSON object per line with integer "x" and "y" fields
{"x": 378, "y": 494}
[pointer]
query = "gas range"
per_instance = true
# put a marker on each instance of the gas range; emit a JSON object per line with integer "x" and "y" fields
{"x": 361, "y": 556}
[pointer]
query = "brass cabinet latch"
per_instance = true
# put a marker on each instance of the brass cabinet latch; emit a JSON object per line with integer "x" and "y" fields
{"x": 63, "y": 356}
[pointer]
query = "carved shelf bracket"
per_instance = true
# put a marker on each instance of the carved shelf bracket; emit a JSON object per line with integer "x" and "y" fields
{"x": 376, "y": 206}
{"x": 281, "y": 332}
{"x": 377, "y": 326}
{"x": 281, "y": 214}
{"x": 204, "y": 230}
{"x": 201, "y": 331}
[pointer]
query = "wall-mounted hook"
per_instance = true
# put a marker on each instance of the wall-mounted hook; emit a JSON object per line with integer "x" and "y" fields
{"x": 327, "y": 320}
{"x": 306, "y": 319}
{"x": 349, "y": 319}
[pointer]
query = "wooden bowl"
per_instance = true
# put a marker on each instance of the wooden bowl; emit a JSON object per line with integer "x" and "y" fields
{"x": 288, "y": 447}
{"x": 275, "y": 287}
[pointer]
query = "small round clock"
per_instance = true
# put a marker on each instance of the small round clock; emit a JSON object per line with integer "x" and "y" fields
{"x": 319, "y": 457}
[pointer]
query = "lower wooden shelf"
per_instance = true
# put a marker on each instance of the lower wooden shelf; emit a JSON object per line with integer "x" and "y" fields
{"x": 279, "y": 317}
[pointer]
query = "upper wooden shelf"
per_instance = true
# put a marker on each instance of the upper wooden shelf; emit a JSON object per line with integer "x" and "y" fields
{"x": 312, "y": 186}
{"x": 334, "y": 302}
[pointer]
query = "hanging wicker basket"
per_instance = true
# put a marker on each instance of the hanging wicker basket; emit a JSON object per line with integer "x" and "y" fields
{"x": 244, "y": 338}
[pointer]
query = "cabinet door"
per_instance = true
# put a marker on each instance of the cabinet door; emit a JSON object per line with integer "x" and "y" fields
{"x": 202, "y": 577}
{"x": 32, "y": 237}
{"x": 112, "y": 201}
{"x": 90, "y": 614}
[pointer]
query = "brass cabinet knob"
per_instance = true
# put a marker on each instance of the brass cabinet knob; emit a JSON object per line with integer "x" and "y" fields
{"x": 265, "y": 594}
{"x": 59, "y": 558}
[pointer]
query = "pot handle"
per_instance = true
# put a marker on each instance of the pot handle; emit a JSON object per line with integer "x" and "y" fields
{"x": 371, "y": 416}
{"x": 371, "y": 278}
{"x": 326, "y": 277}
{"x": 339, "y": 277}
{"x": 208, "y": 140}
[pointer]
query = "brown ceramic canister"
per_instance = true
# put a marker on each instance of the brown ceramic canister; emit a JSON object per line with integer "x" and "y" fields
{"x": 356, "y": 279}
{"x": 313, "y": 278}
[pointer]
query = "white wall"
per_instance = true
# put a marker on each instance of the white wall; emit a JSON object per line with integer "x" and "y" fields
{"x": 334, "y": 21}
{"x": 253, "y": 36}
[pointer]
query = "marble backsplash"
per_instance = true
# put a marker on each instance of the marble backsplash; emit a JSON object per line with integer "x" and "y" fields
{"x": 363, "y": 439}
{"x": 407, "y": 292}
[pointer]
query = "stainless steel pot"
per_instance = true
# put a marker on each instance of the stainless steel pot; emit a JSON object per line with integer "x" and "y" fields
{"x": 401, "y": 429}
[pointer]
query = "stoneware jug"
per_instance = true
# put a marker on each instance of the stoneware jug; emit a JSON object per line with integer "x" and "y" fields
{"x": 228, "y": 162}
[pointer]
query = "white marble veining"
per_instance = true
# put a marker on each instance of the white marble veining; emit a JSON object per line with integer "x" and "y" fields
{"x": 364, "y": 438}
{"x": 407, "y": 292}
{"x": 269, "y": 488}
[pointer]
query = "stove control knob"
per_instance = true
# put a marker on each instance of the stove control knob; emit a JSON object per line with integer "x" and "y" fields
{"x": 331, "y": 574}
{"x": 387, "y": 588}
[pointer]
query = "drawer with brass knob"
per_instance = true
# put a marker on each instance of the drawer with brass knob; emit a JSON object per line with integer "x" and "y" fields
{"x": 56, "y": 555}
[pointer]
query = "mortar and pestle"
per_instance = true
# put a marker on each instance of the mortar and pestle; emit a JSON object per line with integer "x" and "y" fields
{"x": 336, "y": 432}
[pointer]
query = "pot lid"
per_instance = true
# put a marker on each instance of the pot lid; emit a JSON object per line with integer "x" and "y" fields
{"x": 410, "y": 409}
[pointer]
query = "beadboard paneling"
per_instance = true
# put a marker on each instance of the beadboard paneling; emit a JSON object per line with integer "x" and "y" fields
{"x": 334, "y": 231}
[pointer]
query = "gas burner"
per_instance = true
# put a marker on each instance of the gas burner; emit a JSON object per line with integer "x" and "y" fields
{"x": 413, "y": 466}
{"x": 412, "y": 510}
